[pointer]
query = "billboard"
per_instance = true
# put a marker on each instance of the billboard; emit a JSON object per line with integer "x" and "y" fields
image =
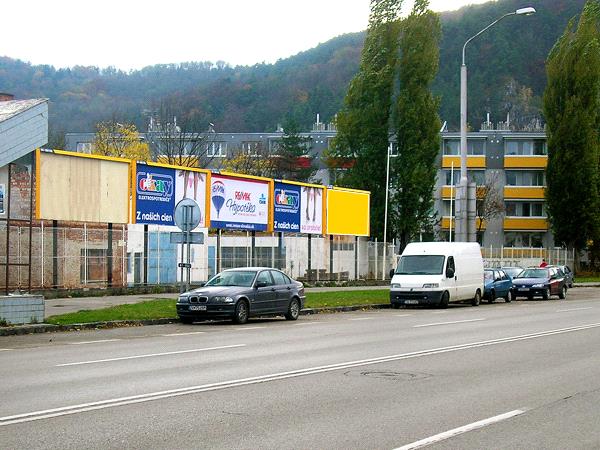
{"x": 82, "y": 188}
{"x": 158, "y": 188}
{"x": 298, "y": 208}
{"x": 348, "y": 212}
{"x": 238, "y": 203}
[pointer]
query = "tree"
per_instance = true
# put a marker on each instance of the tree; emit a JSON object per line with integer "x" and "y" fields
{"x": 572, "y": 112}
{"x": 416, "y": 125}
{"x": 257, "y": 162}
{"x": 294, "y": 160}
{"x": 363, "y": 122}
{"x": 490, "y": 201}
{"x": 180, "y": 142}
{"x": 121, "y": 140}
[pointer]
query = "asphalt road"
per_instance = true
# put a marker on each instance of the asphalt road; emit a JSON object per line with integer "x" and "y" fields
{"x": 522, "y": 375}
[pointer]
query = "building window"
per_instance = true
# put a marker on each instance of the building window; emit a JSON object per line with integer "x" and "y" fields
{"x": 84, "y": 147}
{"x": 523, "y": 239}
{"x": 525, "y": 178}
{"x": 217, "y": 149}
{"x": 530, "y": 147}
{"x": 525, "y": 209}
{"x": 474, "y": 147}
{"x": 477, "y": 176}
{"x": 252, "y": 148}
{"x": 93, "y": 265}
{"x": 2, "y": 187}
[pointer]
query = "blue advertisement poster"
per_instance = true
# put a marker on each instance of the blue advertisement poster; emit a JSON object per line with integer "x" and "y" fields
{"x": 155, "y": 195}
{"x": 287, "y": 208}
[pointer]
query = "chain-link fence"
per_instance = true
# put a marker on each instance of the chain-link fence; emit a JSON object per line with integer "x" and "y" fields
{"x": 88, "y": 256}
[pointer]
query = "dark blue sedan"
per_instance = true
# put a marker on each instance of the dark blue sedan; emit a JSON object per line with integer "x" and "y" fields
{"x": 497, "y": 284}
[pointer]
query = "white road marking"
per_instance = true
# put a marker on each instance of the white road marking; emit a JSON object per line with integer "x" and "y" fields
{"x": 446, "y": 323}
{"x": 460, "y": 430}
{"x": 102, "y": 404}
{"x": 93, "y": 342}
{"x": 5, "y": 349}
{"x": 149, "y": 355}
{"x": 248, "y": 328}
{"x": 573, "y": 309}
{"x": 402, "y": 315}
{"x": 305, "y": 323}
{"x": 184, "y": 334}
{"x": 440, "y": 312}
{"x": 362, "y": 318}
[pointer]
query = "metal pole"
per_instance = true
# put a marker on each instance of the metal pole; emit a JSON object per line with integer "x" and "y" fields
{"x": 387, "y": 189}
{"x": 55, "y": 254}
{"x": 109, "y": 255}
{"x": 309, "y": 267}
{"x": 188, "y": 267}
{"x": 31, "y": 218}
{"x": 6, "y": 275}
{"x": 145, "y": 255}
{"x": 451, "y": 197}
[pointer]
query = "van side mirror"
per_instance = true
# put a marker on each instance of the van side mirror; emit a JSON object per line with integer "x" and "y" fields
{"x": 392, "y": 272}
{"x": 449, "y": 272}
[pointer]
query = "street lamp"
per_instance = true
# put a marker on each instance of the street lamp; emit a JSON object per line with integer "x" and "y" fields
{"x": 387, "y": 189}
{"x": 465, "y": 196}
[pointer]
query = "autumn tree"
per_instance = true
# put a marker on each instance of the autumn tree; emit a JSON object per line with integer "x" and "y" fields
{"x": 363, "y": 124}
{"x": 257, "y": 162}
{"x": 416, "y": 126}
{"x": 121, "y": 140}
{"x": 572, "y": 112}
{"x": 490, "y": 200}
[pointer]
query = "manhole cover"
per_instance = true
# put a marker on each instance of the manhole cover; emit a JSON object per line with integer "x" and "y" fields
{"x": 388, "y": 375}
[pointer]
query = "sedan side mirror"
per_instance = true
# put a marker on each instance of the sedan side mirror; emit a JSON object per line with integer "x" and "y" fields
{"x": 261, "y": 284}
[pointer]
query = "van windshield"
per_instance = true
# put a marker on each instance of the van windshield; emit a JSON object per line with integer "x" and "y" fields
{"x": 421, "y": 265}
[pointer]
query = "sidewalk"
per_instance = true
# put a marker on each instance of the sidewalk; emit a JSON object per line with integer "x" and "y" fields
{"x": 59, "y": 306}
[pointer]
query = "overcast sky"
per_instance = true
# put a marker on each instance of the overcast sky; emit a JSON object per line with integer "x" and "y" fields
{"x": 131, "y": 34}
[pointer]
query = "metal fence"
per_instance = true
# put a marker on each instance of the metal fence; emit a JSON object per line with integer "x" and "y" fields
{"x": 88, "y": 256}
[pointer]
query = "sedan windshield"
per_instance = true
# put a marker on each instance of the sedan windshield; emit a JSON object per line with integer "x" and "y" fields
{"x": 421, "y": 265}
{"x": 534, "y": 273}
{"x": 233, "y": 278}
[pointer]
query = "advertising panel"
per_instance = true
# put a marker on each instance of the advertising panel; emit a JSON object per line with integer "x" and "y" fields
{"x": 348, "y": 212}
{"x": 286, "y": 216}
{"x": 158, "y": 189}
{"x": 239, "y": 203}
{"x": 311, "y": 215}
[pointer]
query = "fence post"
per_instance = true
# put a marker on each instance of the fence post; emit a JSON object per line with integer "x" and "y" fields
{"x": 331, "y": 256}
{"x": 109, "y": 255}
{"x": 54, "y": 254}
{"x": 356, "y": 257}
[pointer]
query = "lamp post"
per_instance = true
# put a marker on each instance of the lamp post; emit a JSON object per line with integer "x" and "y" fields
{"x": 387, "y": 189}
{"x": 465, "y": 196}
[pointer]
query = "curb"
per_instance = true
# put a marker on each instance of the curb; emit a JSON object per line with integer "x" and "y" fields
{"x": 49, "y": 328}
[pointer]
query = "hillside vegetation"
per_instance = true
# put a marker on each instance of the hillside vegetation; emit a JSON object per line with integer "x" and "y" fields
{"x": 506, "y": 73}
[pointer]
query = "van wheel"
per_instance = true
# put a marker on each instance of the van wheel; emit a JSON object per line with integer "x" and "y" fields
{"x": 445, "y": 300}
{"x": 477, "y": 299}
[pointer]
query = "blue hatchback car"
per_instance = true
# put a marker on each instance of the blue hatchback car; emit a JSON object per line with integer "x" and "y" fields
{"x": 497, "y": 284}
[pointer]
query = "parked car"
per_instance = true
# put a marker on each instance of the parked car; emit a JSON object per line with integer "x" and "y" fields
{"x": 512, "y": 271}
{"x": 240, "y": 293}
{"x": 497, "y": 284}
{"x": 540, "y": 281}
{"x": 569, "y": 275}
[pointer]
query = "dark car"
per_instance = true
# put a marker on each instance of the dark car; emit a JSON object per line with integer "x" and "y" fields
{"x": 240, "y": 293}
{"x": 568, "y": 274}
{"x": 541, "y": 282}
{"x": 497, "y": 284}
{"x": 512, "y": 271}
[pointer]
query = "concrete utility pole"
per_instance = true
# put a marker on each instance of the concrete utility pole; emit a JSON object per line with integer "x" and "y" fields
{"x": 466, "y": 192}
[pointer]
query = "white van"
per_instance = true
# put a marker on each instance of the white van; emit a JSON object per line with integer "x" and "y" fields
{"x": 437, "y": 273}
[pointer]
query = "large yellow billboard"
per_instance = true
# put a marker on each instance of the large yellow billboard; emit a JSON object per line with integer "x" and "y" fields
{"x": 82, "y": 188}
{"x": 348, "y": 212}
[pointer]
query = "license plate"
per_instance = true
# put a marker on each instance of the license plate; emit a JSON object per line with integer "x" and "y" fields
{"x": 411, "y": 302}
{"x": 198, "y": 308}
{"x": 523, "y": 289}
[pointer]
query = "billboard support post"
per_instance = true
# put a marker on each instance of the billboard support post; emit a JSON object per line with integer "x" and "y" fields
{"x": 308, "y": 269}
{"x": 331, "y": 256}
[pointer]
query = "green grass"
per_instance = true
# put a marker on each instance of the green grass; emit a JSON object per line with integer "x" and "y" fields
{"x": 165, "y": 308}
{"x": 587, "y": 279}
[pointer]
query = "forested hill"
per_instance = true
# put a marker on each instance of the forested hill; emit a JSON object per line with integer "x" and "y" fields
{"x": 506, "y": 73}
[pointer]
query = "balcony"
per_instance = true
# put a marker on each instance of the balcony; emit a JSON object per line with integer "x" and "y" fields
{"x": 526, "y": 223}
{"x": 473, "y": 162}
{"x": 524, "y": 192}
{"x": 525, "y": 162}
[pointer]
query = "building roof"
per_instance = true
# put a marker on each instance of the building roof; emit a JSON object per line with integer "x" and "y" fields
{"x": 23, "y": 128}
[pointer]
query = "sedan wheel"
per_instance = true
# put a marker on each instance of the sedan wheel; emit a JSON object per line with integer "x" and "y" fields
{"x": 509, "y": 296}
{"x": 563, "y": 293}
{"x": 241, "y": 312}
{"x": 546, "y": 294}
{"x": 492, "y": 298}
{"x": 293, "y": 310}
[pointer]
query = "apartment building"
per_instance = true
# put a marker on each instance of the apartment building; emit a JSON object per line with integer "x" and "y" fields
{"x": 507, "y": 166}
